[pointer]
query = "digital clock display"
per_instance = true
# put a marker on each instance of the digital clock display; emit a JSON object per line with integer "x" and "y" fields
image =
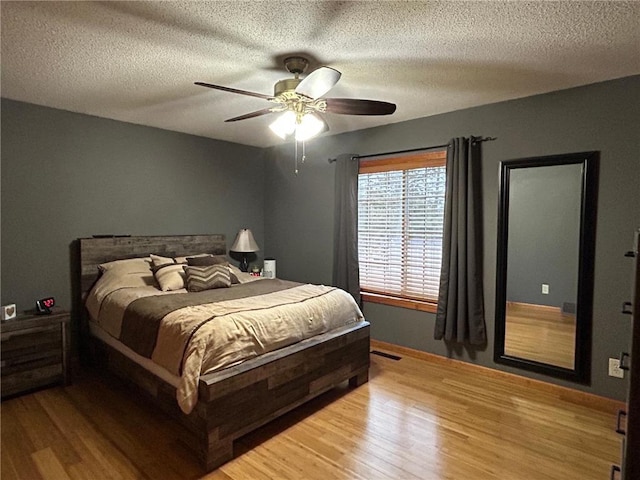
{"x": 45, "y": 305}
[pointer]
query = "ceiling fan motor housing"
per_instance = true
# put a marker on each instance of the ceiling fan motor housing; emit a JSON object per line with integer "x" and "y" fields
{"x": 295, "y": 65}
{"x": 285, "y": 86}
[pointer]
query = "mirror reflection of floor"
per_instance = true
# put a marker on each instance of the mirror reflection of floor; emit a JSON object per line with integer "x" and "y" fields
{"x": 540, "y": 333}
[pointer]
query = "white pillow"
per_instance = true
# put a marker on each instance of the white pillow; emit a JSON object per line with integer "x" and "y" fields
{"x": 129, "y": 265}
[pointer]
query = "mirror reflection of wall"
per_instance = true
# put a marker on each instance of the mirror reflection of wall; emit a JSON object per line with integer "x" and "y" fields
{"x": 543, "y": 259}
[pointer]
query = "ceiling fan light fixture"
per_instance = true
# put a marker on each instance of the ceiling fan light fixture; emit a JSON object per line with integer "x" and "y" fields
{"x": 309, "y": 126}
{"x": 305, "y": 128}
{"x": 284, "y": 125}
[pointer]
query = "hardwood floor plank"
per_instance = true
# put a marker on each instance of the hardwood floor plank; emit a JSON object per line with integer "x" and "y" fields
{"x": 99, "y": 458}
{"x": 49, "y": 465}
{"x": 43, "y": 434}
{"x": 16, "y": 446}
{"x": 414, "y": 419}
{"x": 135, "y": 432}
{"x": 220, "y": 475}
{"x": 509, "y": 381}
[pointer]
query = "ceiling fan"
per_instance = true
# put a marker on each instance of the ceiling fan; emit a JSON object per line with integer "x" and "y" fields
{"x": 301, "y": 101}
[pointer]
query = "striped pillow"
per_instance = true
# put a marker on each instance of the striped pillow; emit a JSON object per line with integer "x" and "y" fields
{"x": 207, "y": 278}
{"x": 169, "y": 276}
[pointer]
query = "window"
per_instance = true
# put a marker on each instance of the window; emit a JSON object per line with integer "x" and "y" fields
{"x": 400, "y": 223}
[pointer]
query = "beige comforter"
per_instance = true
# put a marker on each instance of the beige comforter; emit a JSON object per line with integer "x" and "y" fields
{"x": 197, "y": 339}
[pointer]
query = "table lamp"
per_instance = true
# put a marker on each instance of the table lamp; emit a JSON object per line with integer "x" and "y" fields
{"x": 244, "y": 244}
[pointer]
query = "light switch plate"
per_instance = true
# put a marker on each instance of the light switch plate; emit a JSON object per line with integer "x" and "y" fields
{"x": 614, "y": 368}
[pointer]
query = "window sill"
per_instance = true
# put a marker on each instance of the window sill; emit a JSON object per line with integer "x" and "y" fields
{"x": 399, "y": 302}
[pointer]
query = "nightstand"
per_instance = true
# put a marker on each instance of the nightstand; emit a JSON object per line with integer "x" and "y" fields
{"x": 34, "y": 350}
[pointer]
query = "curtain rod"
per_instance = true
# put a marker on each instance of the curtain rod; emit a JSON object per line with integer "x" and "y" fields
{"x": 474, "y": 140}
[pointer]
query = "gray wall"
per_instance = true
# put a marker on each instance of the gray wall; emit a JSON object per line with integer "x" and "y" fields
{"x": 66, "y": 176}
{"x": 544, "y": 234}
{"x": 604, "y": 117}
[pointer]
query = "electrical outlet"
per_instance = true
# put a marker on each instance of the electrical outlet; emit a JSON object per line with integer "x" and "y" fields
{"x": 545, "y": 289}
{"x": 614, "y": 368}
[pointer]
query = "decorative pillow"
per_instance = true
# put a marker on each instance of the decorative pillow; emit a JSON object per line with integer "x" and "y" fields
{"x": 223, "y": 261}
{"x": 234, "y": 278}
{"x": 157, "y": 260}
{"x": 169, "y": 276}
{"x": 207, "y": 278}
{"x": 207, "y": 261}
{"x": 242, "y": 277}
{"x": 183, "y": 260}
{"x": 129, "y": 265}
{"x": 214, "y": 260}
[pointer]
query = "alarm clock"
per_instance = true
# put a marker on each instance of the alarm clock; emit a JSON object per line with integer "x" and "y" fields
{"x": 44, "y": 305}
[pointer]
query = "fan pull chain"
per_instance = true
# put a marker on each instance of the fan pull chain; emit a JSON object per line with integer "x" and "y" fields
{"x": 303, "y": 157}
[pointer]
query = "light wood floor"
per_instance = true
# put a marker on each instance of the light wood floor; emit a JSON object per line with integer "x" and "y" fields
{"x": 413, "y": 420}
{"x": 540, "y": 333}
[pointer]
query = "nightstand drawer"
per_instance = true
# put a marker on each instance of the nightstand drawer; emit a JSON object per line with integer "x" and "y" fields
{"x": 51, "y": 353}
{"x": 33, "y": 378}
{"x": 19, "y": 343}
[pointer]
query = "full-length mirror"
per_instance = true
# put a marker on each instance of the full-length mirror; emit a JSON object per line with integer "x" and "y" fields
{"x": 544, "y": 277}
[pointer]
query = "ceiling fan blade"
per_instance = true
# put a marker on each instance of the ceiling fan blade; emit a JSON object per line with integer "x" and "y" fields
{"x": 235, "y": 90}
{"x": 318, "y": 82}
{"x": 354, "y": 106}
{"x": 257, "y": 113}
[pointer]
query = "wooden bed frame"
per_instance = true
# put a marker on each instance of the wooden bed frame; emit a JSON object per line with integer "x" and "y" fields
{"x": 239, "y": 399}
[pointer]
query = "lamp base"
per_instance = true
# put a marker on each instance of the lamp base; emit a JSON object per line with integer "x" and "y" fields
{"x": 244, "y": 264}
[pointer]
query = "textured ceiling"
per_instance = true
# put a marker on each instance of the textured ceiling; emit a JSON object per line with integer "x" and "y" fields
{"x": 137, "y": 61}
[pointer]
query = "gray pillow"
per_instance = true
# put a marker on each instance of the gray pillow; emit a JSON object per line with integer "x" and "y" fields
{"x": 207, "y": 261}
{"x": 207, "y": 277}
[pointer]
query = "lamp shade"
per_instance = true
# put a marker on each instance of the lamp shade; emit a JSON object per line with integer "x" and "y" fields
{"x": 244, "y": 242}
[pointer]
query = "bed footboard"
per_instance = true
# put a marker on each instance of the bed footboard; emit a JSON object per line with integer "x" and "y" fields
{"x": 240, "y": 399}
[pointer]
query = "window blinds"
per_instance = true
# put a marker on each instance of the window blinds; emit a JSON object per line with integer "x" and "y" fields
{"x": 400, "y": 222}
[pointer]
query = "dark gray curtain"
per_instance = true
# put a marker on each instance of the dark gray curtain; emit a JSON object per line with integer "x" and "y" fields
{"x": 460, "y": 315}
{"x": 346, "y": 272}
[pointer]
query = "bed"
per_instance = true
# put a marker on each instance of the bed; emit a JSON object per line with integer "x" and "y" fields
{"x": 216, "y": 401}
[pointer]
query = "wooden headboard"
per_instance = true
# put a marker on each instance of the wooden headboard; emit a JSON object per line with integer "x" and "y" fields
{"x": 94, "y": 251}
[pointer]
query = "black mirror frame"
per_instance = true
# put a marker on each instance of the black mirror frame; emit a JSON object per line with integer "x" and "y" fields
{"x": 582, "y": 365}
